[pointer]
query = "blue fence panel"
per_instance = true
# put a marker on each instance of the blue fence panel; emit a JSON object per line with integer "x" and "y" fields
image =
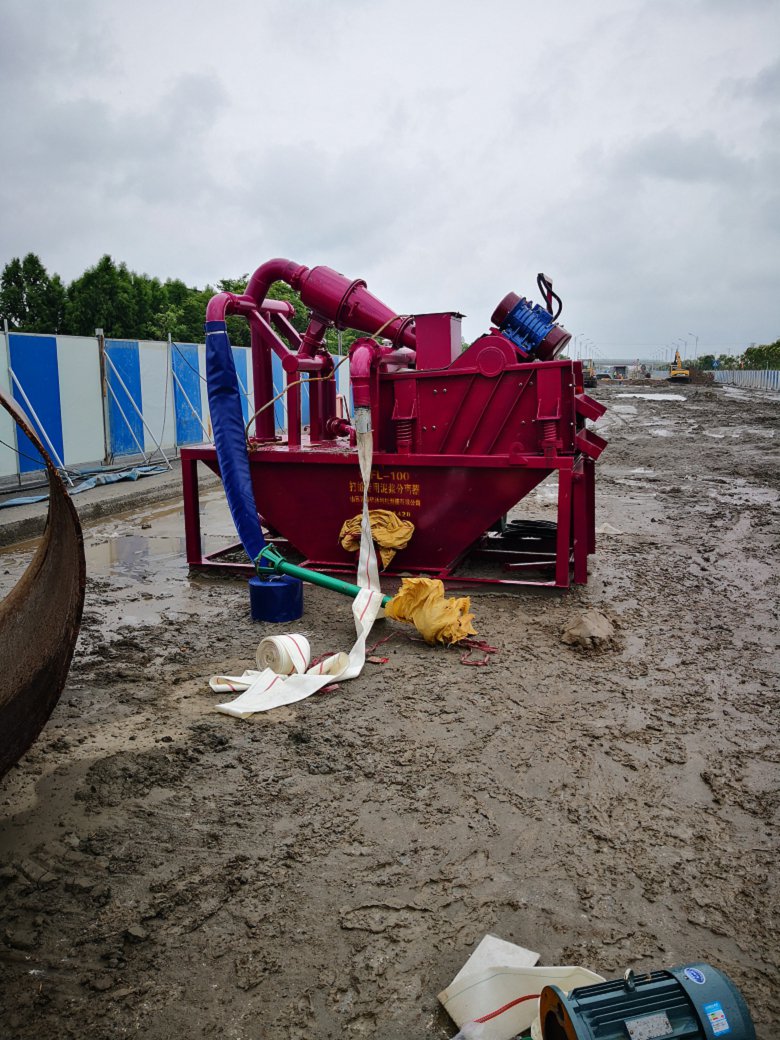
{"x": 278, "y": 377}
{"x": 127, "y": 431}
{"x": 34, "y": 363}
{"x": 184, "y": 357}
{"x": 239, "y": 357}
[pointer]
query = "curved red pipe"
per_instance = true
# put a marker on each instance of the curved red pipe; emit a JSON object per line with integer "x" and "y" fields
{"x": 220, "y": 306}
{"x": 361, "y": 360}
{"x": 225, "y": 303}
{"x": 276, "y": 270}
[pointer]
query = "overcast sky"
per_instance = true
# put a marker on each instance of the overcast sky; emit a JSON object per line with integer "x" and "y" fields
{"x": 444, "y": 150}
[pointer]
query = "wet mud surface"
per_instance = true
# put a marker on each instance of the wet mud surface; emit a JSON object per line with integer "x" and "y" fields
{"x": 323, "y": 871}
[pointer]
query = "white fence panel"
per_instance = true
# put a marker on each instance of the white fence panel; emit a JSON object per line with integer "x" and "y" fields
{"x": 754, "y": 379}
{"x": 204, "y": 393}
{"x": 158, "y": 407}
{"x": 9, "y": 466}
{"x": 81, "y": 400}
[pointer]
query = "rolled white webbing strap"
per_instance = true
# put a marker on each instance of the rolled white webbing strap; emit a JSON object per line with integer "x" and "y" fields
{"x": 285, "y": 655}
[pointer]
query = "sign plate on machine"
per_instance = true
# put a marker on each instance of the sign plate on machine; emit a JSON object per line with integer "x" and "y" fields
{"x": 649, "y": 1027}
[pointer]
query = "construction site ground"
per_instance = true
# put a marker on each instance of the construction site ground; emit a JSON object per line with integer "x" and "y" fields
{"x": 324, "y": 870}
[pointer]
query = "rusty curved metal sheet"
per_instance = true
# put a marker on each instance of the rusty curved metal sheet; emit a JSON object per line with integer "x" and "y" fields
{"x": 40, "y": 618}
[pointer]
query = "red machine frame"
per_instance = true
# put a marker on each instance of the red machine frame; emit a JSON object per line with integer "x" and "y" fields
{"x": 459, "y": 439}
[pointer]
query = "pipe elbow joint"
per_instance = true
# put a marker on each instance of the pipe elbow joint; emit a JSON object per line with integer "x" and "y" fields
{"x": 364, "y": 355}
{"x": 220, "y": 306}
{"x": 276, "y": 270}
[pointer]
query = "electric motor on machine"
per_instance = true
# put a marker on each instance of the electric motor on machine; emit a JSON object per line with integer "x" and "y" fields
{"x": 694, "y": 1001}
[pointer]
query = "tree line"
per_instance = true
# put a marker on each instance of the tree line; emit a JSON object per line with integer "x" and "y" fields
{"x": 126, "y": 305}
{"x": 765, "y": 356}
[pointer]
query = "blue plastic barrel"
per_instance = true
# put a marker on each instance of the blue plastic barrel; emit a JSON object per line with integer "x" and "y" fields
{"x": 276, "y": 599}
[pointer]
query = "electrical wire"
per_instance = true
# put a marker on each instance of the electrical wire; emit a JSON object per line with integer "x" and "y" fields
{"x": 187, "y": 363}
{"x": 303, "y": 379}
{"x": 396, "y": 317}
{"x": 320, "y": 379}
{"x": 545, "y": 288}
{"x": 506, "y": 1007}
{"x": 39, "y": 464}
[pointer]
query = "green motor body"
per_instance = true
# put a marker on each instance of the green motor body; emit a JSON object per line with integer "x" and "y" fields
{"x": 693, "y": 1001}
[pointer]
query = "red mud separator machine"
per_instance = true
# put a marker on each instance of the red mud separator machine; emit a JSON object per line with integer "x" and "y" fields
{"x": 460, "y": 436}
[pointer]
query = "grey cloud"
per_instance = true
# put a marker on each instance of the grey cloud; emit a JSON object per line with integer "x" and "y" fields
{"x": 764, "y": 86}
{"x": 47, "y": 40}
{"x": 669, "y": 155}
{"x": 402, "y": 142}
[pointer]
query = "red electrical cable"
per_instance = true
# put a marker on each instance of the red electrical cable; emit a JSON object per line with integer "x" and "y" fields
{"x": 506, "y": 1007}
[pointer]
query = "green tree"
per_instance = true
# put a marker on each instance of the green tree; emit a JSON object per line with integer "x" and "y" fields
{"x": 103, "y": 297}
{"x": 765, "y": 356}
{"x": 30, "y": 299}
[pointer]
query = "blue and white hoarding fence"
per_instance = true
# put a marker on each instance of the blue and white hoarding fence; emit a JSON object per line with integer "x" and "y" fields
{"x": 97, "y": 402}
{"x": 751, "y": 379}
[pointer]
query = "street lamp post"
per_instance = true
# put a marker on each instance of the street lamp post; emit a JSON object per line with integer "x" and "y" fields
{"x": 696, "y": 347}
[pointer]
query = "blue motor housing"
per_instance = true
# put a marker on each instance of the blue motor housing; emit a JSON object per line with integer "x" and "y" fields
{"x": 529, "y": 328}
{"x": 526, "y": 325}
{"x": 695, "y": 1001}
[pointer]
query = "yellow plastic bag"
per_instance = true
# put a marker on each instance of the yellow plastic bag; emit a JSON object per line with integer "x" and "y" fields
{"x": 388, "y": 530}
{"x": 438, "y": 620}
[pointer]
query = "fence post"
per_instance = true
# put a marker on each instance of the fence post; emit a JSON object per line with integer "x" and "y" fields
{"x": 10, "y": 387}
{"x": 172, "y": 376}
{"x": 108, "y": 456}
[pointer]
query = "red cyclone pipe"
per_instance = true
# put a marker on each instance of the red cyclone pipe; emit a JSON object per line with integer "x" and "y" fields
{"x": 362, "y": 355}
{"x": 277, "y": 270}
{"x": 220, "y": 306}
{"x": 334, "y": 298}
{"x": 225, "y": 303}
{"x": 349, "y": 304}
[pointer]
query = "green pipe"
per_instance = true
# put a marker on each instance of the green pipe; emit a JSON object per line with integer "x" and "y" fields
{"x": 270, "y": 559}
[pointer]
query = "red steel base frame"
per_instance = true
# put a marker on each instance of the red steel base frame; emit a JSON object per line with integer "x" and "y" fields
{"x": 313, "y": 490}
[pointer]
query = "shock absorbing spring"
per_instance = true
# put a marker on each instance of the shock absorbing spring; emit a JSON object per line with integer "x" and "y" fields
{"x": 403, "y": 435}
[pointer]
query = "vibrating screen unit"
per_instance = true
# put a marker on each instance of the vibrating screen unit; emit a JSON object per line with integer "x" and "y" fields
{"x": 460, "y": 436}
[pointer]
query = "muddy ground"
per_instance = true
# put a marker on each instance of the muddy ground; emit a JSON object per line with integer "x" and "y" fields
{"x": 323, "y": 871}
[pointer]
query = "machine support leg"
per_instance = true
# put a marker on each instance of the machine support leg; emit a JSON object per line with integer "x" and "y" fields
{"x": 263, "y": 386}
{"x": 189, "y": 481}
{"x": 294, "y": 416}
{"x": 563, "y": 543}
{"x": 590, "y": 490}
{"x": 315, "y": 414}
{"x": 581, "y": 528}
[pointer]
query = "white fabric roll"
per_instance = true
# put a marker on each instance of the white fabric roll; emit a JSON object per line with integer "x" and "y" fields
{"x": 284, "y": 655}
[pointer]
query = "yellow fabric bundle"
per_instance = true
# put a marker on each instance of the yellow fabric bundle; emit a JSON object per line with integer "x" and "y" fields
{"x": 438, "y": 620}
{"x": 389, "y": 531}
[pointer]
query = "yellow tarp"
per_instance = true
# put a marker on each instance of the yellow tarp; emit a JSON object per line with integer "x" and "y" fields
{"x": 389, "y": 531}
{"x": 438, "y": 620}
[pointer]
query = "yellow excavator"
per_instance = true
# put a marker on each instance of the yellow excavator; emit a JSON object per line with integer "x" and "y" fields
{"x": 589, "y": 374}
{"x": 678, "y": 374}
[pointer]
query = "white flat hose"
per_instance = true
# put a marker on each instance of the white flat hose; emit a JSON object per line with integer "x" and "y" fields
{"x": 284, "y": 654}
{"x": 268, "y": 688}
